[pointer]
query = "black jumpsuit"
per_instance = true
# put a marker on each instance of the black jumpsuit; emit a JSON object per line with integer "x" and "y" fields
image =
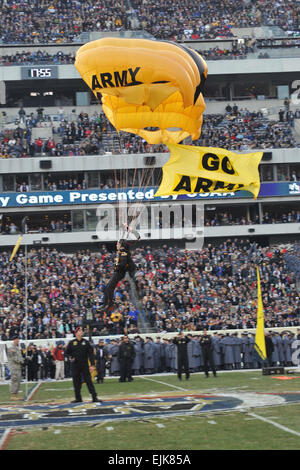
{"x": 123, "y": 264}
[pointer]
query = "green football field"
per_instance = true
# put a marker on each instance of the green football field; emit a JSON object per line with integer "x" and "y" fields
{"x": 235, "y": 411}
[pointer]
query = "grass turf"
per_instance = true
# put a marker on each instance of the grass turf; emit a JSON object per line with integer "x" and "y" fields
{"x": 219, "y": 431}
{"x": 231, "y": 430}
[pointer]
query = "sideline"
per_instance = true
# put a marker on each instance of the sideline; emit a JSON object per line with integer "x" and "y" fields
{"x": 279, "y": 426}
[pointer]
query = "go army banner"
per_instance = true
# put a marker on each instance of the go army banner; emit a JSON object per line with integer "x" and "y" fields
{"x": 193, "y": 169}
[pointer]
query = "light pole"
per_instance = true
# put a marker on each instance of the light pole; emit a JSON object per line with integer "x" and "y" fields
{"x": 26, "y": 313}
{"x": 35, "y": 242}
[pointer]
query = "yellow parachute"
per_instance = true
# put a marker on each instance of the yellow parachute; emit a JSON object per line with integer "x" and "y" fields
{"x": 149, "y": 88}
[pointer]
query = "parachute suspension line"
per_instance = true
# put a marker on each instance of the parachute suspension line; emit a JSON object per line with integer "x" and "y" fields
{"x": 117, "y": 179}
{"x": 147, "y": 174}
{"x": 119, "y": 185}
{"x": 133, "y": 178}
{"x": 122, "y": 215}
{"x": 138, "y": 209}
{"x": 126, "y": 186}
{"x": 135, "y": 173}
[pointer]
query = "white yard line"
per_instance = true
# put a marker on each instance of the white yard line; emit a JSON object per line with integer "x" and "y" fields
{"x": 4, "y": 438}
{"x": 279, "y": 426}
{"x": 33, "y": 391}
{"x": 164, "y": 383}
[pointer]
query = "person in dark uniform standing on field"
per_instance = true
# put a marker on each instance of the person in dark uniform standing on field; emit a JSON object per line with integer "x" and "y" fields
{"x": 126, "y": 355}
{"x": 101, "y": 360}
{"x": 269, "y": 349}
{"x": 181, "y": 342}
{"x": 81, "y": 353}
{"x": 123, "y": 264}
{"x": 207, "y": 353}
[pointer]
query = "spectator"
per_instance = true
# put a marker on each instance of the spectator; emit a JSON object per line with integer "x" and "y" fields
{"x": 22, "y": 115}
{"x": 13, "y": 229}
{"x": 38, "y": 145}
{"x": 58, "y": 356}
{"x": 24, "y": 187}
{"x": 281, "y": 115}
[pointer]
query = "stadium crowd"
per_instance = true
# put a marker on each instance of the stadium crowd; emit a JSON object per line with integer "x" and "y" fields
{"x": 214, "y": 288}
{"x": 237, "y": 129}
{"x": 218, "y": 218}
{"x": 235, "y": 51}
{"x": 210, "y": 20}
{"x": 246, "y": 130}
{"x": 238, "y": 51}
{"x": 85, "y": 131}
{"x": 59, "y": 21}
{"x": 47, "y": 225}
{"x": 38, "y": 57}
{"x": 61, "y": 58}
{"x": 55, "y": 184}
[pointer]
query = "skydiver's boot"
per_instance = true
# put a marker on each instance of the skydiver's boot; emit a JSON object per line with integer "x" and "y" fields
{"x": 108, "y": 308}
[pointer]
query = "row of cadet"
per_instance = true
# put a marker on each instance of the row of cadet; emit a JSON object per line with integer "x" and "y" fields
{"x": 229, "y": 352}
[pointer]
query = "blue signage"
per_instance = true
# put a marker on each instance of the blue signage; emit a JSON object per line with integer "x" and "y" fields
{"x": 108, "y": 196}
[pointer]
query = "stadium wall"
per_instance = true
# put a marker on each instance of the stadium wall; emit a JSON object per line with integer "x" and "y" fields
{"x": 110, "y": 162}
{"x": 293, "y": 230}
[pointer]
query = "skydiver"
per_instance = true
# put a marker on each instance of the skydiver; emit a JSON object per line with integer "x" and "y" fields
{"x": 123, "y": 264}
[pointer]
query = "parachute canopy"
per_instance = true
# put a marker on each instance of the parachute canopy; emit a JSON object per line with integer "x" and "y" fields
{"x": 150, "y": 88}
